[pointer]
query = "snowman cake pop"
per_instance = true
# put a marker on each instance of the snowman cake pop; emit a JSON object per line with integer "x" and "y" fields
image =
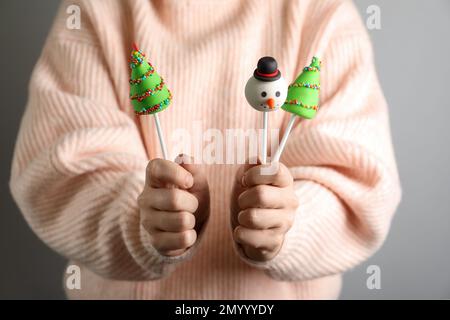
{"x": 266, "y": 91}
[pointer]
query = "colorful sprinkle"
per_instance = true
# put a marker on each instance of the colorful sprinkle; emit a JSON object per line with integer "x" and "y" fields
{"x": 148, "y": 92}
{"x": 311, "y": 69}
{"x": 145, "y": 76}
{"x": 306, "y": 85}
{"x": 156, "y": 107}
{"x": 137, "y": 57}
{"x": 298, "y": 103}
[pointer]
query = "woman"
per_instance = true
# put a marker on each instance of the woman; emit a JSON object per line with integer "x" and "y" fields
{"x": 83, "y": 178}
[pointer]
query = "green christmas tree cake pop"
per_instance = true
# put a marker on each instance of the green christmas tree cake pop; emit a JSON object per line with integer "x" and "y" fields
{"x": 148, "y": 92}
{"x": 303, "y": 94}
{"x": 302, "y": 100}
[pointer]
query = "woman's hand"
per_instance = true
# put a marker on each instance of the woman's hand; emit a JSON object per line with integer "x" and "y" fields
{"x": 263, "y": 207}
{"x": 174, "y": 205}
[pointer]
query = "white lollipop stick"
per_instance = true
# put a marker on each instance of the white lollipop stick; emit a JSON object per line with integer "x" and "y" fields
{"x": 264, "y": 138}
{"x": 160, "y": 136}
{"x": 277, "y": 156}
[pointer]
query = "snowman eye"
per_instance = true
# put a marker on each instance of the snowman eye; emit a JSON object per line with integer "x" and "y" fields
{"x": 277, "y": 93}
{"x": 263, "y": 94}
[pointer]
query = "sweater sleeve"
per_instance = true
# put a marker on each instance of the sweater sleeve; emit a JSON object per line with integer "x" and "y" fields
{"x": 342, "y": 162}
{"x": 79, "y": 164}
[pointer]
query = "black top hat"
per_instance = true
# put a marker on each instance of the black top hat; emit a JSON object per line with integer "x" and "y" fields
{"x": 267, "y": 70}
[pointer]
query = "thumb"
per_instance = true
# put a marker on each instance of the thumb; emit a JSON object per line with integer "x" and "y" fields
{"x": 200, "y": 180}
{"x": 249, "y": 163}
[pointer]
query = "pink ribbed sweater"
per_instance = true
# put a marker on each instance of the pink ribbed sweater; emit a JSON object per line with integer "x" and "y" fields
{"x": 81, "y": 153}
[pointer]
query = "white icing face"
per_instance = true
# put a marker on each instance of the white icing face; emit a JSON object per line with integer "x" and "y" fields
{"x": 266, "y": 96}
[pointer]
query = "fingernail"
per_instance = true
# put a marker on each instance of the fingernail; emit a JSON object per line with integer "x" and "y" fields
{"x": 179, "y": 159}
{"x": 239, "y": 216}
{"x": 243, "y": 183}
{"x": 189, "y": 181}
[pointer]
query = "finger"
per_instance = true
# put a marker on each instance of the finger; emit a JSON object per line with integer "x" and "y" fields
{"x": 256, "y": 218}
{"x": 266, "y": 197}
{"x": 169, "y": 221}
{"x": 162, "y": 173}
{"x": 169, "y": 200}
{"x": 195, "y": 170}
{"x": 259, "y": 239}
{"x": 237, "y": 190}
{"x": 169, "y": 241}
{"x": 255, "y": 176}
{"x": 260, "y": 255}
{"x": 238, "y": 187}
{"x": 249, "y": 163}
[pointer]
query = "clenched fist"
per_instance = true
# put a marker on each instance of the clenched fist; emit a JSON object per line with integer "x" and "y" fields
{"x": 174, "y": 204}
{"x": 263, "y": 207}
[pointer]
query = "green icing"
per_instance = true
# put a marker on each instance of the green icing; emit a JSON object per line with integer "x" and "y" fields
{"x": 151, "y": 82}
{"x": 159, "y": 99}
{"x": 303, "y": 94}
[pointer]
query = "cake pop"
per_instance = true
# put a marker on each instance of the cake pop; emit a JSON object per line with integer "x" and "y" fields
{"x": 266, "y": 91}
{"x": 148, "y": 91}
{"x": 302, "y": 100}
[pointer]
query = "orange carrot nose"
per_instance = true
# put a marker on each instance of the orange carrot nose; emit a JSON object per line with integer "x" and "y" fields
{"x": 271, "y": 103}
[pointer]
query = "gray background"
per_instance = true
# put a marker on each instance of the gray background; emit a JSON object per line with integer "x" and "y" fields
{"x": 413, "y": 42}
